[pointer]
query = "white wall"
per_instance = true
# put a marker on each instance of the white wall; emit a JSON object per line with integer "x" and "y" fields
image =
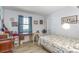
{"x": 54, "y": 22}
{"x": 1, "y": 17}
{"x": 14, "y": 14}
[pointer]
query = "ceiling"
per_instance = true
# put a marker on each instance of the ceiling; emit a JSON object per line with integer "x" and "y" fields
{"x": 42, "y": 10}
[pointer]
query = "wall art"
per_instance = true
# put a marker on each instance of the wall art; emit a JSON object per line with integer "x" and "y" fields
{"x": 69, "y": 19}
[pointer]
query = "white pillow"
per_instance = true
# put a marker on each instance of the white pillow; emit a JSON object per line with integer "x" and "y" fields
{"x": 76, "y": 46}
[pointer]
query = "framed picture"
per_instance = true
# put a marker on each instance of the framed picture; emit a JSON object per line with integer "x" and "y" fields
{"x": 14, "y": 24}
{"x": 69, "y": 19}
{"x": 41, "y": 21}
{"x": 35, "y": 21}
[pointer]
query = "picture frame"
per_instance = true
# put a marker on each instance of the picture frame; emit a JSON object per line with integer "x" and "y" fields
{"x": 69, "y": 19}
{"x": 14, "y": 24}
{"x": 35, "y": 21}
{"x": 41, "y": 21}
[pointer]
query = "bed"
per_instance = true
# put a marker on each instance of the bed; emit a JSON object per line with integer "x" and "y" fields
{"x": 59, "y": 44}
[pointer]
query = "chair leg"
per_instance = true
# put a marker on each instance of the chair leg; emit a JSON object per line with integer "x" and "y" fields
{"x": 39, "y": 42}
{"x": 33, "y": 39}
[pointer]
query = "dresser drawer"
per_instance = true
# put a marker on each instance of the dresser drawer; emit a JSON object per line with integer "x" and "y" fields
{"x": 7, "y": 46}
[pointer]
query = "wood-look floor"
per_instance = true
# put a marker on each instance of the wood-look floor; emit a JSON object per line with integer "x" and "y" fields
{"x": 30, "y": 48}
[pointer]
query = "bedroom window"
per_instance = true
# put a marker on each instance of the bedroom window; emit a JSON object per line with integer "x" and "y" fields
{"x": 25, "y": 25}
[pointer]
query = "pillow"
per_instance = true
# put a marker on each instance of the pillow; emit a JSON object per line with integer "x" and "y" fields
{"x": 76, "y": 46}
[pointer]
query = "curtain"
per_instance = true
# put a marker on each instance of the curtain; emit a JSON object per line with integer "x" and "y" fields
{"x": 20, "y": 22}
{"x": 30, "y": 24}
{"x": 20, "y": 25}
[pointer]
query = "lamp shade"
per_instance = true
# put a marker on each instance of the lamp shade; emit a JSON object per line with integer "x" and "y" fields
{"x": 66, "y": 26}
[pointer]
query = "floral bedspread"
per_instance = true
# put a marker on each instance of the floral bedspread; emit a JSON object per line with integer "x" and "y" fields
{"x": 59, "y": 44}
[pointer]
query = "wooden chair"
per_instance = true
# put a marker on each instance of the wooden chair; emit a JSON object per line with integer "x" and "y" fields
{"x": 35, "y": 37}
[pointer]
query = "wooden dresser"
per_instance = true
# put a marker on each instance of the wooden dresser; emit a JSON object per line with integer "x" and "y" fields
{"x": 6, "y": 45}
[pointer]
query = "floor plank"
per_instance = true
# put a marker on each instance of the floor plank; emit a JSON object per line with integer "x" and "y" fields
{"x": 30, "y": 48}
